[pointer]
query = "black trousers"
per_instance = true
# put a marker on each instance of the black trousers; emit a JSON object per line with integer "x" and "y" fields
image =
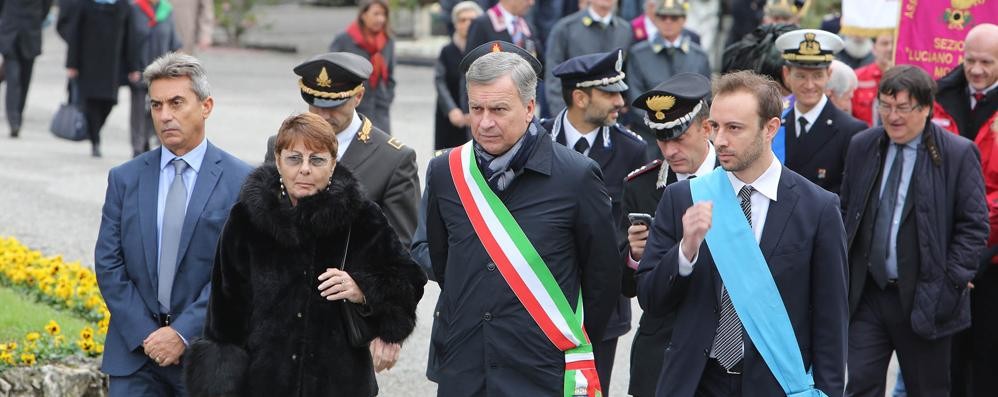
{"x": 974, "y": 371}
{"x": 879, "y": 328}
{"x": 96, "y": 112}
{"x": 18, "y": 74}
{"x": 717, "y": 382}
{"x": 140, "y": 119}
{"x": 604, "y": 352}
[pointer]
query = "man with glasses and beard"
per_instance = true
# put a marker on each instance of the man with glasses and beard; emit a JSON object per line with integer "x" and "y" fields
{"x": 591, "y": 86}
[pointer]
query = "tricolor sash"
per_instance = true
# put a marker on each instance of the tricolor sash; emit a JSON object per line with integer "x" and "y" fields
{"x": 526, "y": 273}
{"x": 750, "y": 284}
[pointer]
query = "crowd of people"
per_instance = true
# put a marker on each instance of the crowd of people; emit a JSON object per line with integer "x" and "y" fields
{"x": 787, "y": 225}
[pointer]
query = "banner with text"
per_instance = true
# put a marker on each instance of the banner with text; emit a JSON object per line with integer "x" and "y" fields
{"x": 931, "y": 32}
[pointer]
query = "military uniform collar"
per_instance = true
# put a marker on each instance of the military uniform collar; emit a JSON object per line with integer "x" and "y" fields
{"x": 559, "y": 126}
{"x": 345, "y": 137}
{"x": 708, "y": 164}
{"x": 591, "y": 17}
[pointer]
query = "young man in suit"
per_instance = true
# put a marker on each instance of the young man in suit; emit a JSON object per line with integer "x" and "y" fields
{"x": 161, "y": 219}
{"x": 817, "y": 133}
{"x": 917, "y": 219}
{"x": 788, "y": 232}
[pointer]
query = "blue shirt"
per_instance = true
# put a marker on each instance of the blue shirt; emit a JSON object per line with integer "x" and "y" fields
{"x": 194, "y": 158}
{"x": 910, "y": 152}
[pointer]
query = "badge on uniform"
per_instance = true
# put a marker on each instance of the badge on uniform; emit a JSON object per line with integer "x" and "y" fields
{"x": 821, "y": 173}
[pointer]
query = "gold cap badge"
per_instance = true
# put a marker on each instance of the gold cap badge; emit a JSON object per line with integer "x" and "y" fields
{"x": 659, "y": 104}
{"x": 323, "y": 79}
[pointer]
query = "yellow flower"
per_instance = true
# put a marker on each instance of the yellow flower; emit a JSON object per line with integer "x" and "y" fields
{"x": 28, "y": 359}
{"x": 58, "y": 340}
{"x": 32, "y": 337}
{"x": 87, "y": 333}
{"x": 85, "y": 344}
{"x": 7, "y": 358}
{"x": 100, "y": 348}
{"x": 11, "y": 346}
{"x": 52, "y": 327}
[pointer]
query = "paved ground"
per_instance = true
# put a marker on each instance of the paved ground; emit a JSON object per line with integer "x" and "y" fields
{"x": 51, "y": 190}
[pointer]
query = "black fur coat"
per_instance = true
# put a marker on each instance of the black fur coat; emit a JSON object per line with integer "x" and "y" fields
{"x": 268, "y": 332}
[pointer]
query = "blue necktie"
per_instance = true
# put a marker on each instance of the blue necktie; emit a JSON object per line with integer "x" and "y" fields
{"x": 885, "y": 217}
{"x": 173, "y": 221}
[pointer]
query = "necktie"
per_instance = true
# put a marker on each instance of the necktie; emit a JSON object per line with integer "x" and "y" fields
{"x": 728, "y": 342}
{"x": 581, "y": 145}
{"x": 978, "y": 97}
{"x": 803, "y": 126}
{"x": 516, "y": 34}
{"x": 173, "y": 221}
{"x": 885, "y": 217}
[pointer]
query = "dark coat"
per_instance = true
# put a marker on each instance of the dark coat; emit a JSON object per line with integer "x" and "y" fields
{"x": 100, "y": 43}
{"x": 152, "y": 41}
{"x": 268, "y": 332}
{"x": 377, "y": 102}
{"x": 955, "y": 100}
{"x": 819, "y": 155}
{"x": 624, "y": 153}
{"x": 447, "y": 81}
{"x": 484, "y": 343}
{"x": 803, "y": 243}
{"x": 21, "y": 26}
{"x": 951, "y": 215}
{"x": 481, "y": 31}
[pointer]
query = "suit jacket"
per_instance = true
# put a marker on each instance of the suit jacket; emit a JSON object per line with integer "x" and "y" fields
{"x": 803, "y": 243}
{"x": 819, "y": 155}
{"x": 126, "y": 261}
{"x": 100, "y": 44}
{"x": 21, "y": 26}
{"x": 482, "y": 31}
{"x": 386, "y": 169}
{"x": 950, "y": 212}
{"x": 954, "y": 99}
{"x": 483, "y": 340}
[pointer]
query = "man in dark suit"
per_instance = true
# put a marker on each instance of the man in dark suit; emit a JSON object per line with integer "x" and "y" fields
{"x": 682, "y": 135}
{"x": 488, "y": 340}
{"x": 817, "y": 133}
{"x": 917, "y": 220}
{"x": 591, "y": 87}
{"x": 20, "y": 43}
{"x": 800, "y": 240}
{"x": 161, "y": 219}
{"x": 332, "y": 85}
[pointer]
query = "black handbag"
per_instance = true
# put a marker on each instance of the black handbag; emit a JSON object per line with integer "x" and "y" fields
{"x": 358, "y": 329}
{"x": 69, "y": 121}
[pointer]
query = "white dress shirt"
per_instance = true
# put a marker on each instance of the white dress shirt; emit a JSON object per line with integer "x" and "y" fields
{"x": 573, "y": 135}
{"x": 603, "y": 20}
{"x": 346, "y": 136}
{"x": 811, "y": 116}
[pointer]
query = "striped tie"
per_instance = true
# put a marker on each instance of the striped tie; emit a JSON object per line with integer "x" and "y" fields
{"x": 727, "y": 349}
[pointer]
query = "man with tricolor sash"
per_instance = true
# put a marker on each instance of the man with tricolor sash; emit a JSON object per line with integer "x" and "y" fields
{"x": 752, "y": 259}
{"x": 516, "y": 227}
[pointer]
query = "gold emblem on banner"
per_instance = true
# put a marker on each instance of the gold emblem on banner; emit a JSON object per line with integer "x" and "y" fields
{"x": 958, "y": 16}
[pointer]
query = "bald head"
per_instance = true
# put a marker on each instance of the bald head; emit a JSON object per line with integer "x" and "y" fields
{"x": 980, "y": 51}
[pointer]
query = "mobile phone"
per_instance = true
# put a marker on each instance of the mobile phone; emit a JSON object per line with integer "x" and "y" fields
{"x": 639, "y": 218}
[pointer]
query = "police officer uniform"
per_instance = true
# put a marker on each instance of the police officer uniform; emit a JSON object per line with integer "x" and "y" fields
{"x": 818, "y": 151}
{"x": 643, "y": 187}
{"x": 616, "y": 149}
{"x": 382, "y": 164}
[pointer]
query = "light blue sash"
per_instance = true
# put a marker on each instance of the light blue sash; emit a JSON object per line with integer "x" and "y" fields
{"x": 751, "y": 286}
{"x": 780, "y": 140}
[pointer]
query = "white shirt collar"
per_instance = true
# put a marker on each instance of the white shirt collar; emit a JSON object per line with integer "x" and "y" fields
{"x": 705, "y": 167}
{"x": 604, "y": 20}
{"x": 346, "y": 136}
{"x": 573, "y": 135}
{"x": 986, "y": 90}
{"x": 194, "y": 158}
{"x": 767, "y": 184}
{"x": 811, "y": 116}
{"x": 507, "y": 17}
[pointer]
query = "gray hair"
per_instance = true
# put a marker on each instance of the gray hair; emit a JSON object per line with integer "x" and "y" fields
{"x": 842, "y": 79}
{"x": 495, "y": 65}
{"x": 174, "y": 65}
{"x": 467, "y": 5}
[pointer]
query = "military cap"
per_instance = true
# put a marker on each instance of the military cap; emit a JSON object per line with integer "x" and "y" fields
{"x": 328, "y": 80}
{"x": 600, "y": 70}
{"x": 672, "y": 7}
{"x": 786, "y": 8}
{"x": 501, "y": 46}
{"x": 809, "y": 48}
{"x": 671, "y": 106}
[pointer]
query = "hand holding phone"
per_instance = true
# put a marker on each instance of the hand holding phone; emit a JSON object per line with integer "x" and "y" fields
{"x": 639, "y": 218}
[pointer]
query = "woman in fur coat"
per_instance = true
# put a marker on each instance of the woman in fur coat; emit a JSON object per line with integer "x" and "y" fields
{"x": 275, "y": 324}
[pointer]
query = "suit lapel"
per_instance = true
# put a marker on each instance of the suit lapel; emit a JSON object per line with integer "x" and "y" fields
{"x": 358, "y": 153}
{"x": 148, "y": 207}
{"x": 600, "y": 152}
{"x": 790, "y": 137}
{"x": 811, "y": 142}
{"x": 208, "y": 177}
{"x": 779, "y": 214}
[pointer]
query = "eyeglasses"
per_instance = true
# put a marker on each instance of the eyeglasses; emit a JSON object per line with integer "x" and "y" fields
{"x": 903, "y": 110}
{"x": 295, "y": 160}
{"x": 672, "y": 18}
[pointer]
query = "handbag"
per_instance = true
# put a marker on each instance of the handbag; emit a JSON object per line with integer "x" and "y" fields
{"x": 359, "y": 330}
{"x": 69, "y": 121}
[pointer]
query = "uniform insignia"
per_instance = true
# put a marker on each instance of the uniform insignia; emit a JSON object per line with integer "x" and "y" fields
{"x": 587, "y": 21}
{"x": 323, "y": 79}
{"x": 660, "y": 103}
{"x": 440, "y": 152}
{"x": 809, "y": 46}
{"x": 829, "y": 122}
{"x": 496, "y": 47}
{"x": 395, "y": 143}
{"x": 365, "y": 131}
{"x": 628, "y": 133}
{"x": 620, "y": 61}
{"x": 644, "y": 169}
{"x": 822, "y": 173}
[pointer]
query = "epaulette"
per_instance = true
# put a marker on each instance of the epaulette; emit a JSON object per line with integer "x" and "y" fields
{"x": 395, "y": 143}
{"x": 441, "y": 152}
{"x": 628, "y": 133}
{"x": 654, "y": 165}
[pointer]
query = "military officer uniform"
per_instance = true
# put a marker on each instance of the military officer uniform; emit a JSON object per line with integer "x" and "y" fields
{"x": 643, "y": 189}
{"x": 817, "y": 152}
{"x": 383, "y": 165}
